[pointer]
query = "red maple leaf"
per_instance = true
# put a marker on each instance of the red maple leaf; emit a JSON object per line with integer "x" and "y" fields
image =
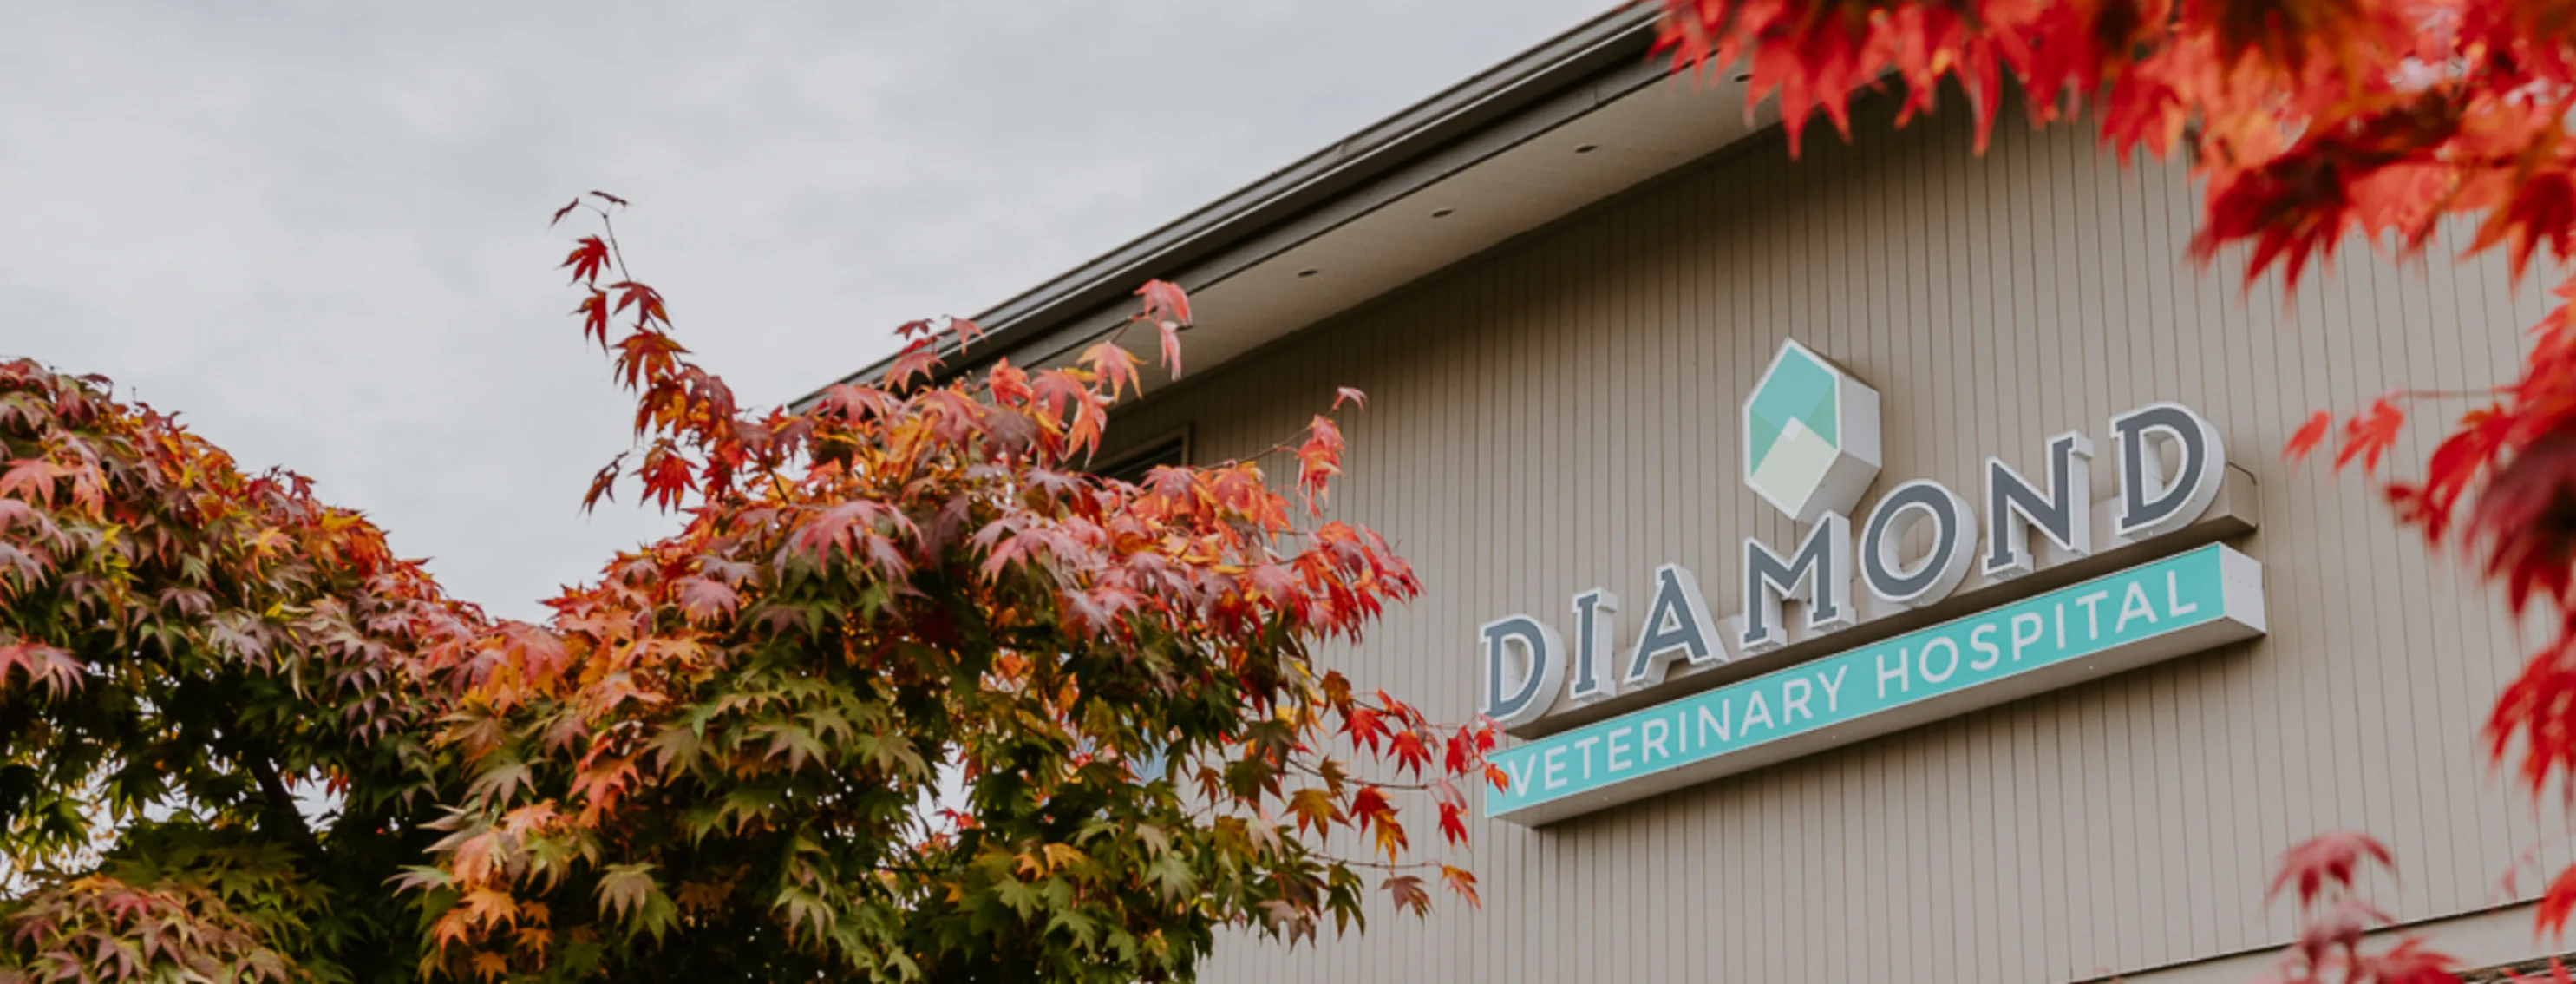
{"x": 589, "y": 258}
{"x": 703, "y": 600}
{"x": 2305, "y": 440}
{"x": 1320, "y": 458}
{"x": 2331, "y": 857}
{"x": 1364, "y": 726}
{"x": 1408, "y": 893}
{"x": 646, "y": 301}
{"x": 1410, "y": 754}
{"x": 1165, "y": 301}
{"x": 2411, "y": 962}
{"x": 2369, "y": 434}
{"x": 1453, "y": 823}
{"x": 915, "y": 362}
{"x": 594, "y": 316}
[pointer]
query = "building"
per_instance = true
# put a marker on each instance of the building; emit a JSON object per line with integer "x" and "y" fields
{"x": 1612, "y": 333}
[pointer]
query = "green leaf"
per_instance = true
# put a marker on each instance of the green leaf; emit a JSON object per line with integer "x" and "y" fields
{"x": 624, "y": 888}
{"x": 1022, "y": 897}
{"x": 1171, "y": 877}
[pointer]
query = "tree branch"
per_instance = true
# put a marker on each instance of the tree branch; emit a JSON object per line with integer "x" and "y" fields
{"x": 281, "y": 810}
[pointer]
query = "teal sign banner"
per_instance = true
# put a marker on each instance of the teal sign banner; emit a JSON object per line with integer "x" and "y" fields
{"x": 2181, "y": 604}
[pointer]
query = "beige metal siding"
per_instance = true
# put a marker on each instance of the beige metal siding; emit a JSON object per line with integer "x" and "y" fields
{"x": 1562, "y": 413}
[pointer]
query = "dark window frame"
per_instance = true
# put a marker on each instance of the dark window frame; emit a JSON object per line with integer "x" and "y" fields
{"x": 1168, "y": 448}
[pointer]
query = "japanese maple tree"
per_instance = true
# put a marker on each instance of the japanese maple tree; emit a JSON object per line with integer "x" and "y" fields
{"x": 725, "y": 755}
{"x": 910, "y": 694}
{"x": 188, "y": 654}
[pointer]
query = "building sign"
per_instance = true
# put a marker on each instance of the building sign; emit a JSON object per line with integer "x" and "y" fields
{"x": 1673, "y": 707}
{"x": 2181, "y": 604}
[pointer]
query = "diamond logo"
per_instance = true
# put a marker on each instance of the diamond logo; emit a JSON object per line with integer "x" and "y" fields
{"x": 1810, "y": 435}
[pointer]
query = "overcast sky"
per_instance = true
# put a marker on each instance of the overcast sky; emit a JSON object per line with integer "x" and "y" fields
{"x": 317, "y": 230}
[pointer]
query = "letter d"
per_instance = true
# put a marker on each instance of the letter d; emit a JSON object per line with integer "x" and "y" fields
{"x": 1518, "y": 694}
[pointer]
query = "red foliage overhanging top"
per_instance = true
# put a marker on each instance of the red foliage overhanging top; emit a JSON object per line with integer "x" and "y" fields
{"x": 2309, "y": 119}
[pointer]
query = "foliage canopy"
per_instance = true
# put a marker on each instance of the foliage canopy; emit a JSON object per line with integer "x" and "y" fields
{"x": 726, "y": 755}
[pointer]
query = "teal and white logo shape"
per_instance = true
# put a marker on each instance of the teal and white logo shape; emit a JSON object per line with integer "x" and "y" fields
{"x": 1810, "y": 435}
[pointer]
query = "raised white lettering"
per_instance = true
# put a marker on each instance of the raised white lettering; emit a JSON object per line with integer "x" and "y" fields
{"x": 1724, "y": 726}
{"x": 1978, "y": 639}
{"x": 2134, "y": 604}
{"x": 1903, "y": 680}
{"x": 2092, "y": 612}
{"x": 2020, "y": 641}
{"x": 2173, "y": 596}
{"x": 1794, "y": 693}
{"x": 1756, "y": 709}
{"x": 1944, "y": 644}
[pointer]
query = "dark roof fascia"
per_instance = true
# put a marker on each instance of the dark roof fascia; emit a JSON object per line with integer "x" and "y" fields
{"x": 1616, "y": 42}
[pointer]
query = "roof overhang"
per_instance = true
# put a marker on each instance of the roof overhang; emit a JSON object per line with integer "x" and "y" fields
{"x": 1571, "y": 122}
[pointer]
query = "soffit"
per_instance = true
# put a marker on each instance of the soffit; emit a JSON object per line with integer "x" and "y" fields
{"x": 1304, "y": 280}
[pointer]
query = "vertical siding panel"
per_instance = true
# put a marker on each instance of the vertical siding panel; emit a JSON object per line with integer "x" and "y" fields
{"x": 1703, "y": 818}
{"x": 2464, "y": 363}
{"x": 2306, "y": 805}
{"x": 2361, "y": 739}
{"x": 2522, "y": 831}
{"x": 2460, "y": 305}
{"x": 1861, "y": 242}
{"x": 2328, "y": 311}
{"x": 1621, "y": 251}
{"x": 1763, "y": 291}
{"x": 2395, "y": 294}
{"x": 1912, "y": 308}
{"x": 2448, "y": 845}
{"x": 1639, "y": 254}
{"x": 2162, "y": 717}
{"x": 2205, "y": 712}
{"x": 2090, "y": 284}
{"x": 2186, "y": 696}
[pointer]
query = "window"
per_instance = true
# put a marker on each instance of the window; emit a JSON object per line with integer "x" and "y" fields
{"x": 1170, "y": 449}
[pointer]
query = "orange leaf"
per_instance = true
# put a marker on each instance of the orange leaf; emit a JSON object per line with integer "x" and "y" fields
{"x": 1113, "y": 365}
{"x": 2307, "y": 437}
{"x": 1171, "y": 331}
{"x": 1463, "y": 882}
{"x": 1165, "y": 301}
{"x": 2370, "y": 434}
